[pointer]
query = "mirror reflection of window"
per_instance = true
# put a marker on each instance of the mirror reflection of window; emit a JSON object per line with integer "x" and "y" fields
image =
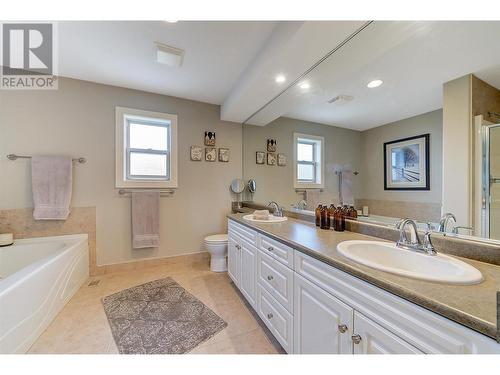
{"x": 308, "y": 161}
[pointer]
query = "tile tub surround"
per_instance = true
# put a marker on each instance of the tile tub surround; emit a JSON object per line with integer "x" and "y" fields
{"x": 82, "y": 327}
{"x": 476, "y": 250}
{"x": 80, "y": 220}
{"x": 473, "y": 306}
{"x": 421, "y": 211}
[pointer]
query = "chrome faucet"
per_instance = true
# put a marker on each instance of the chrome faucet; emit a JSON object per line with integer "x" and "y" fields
{"x": 278, "y": 211}
{"x": 414, "y": 243}
{"x": 445, "y": 219}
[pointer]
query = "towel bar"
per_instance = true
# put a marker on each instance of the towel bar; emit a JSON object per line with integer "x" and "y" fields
{"x": 15, "y": 157}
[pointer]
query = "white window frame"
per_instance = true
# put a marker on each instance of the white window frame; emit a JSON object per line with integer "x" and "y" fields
{"x": 123, "y": 179}
{"x": 318, "y": 161}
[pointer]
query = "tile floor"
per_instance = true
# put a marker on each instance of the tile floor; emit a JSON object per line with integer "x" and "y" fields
{"x": 82, "y": 327}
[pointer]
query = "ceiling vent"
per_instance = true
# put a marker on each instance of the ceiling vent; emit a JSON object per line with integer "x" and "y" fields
{"x": 341, "y": 99}
{"x": 168, "y": 55}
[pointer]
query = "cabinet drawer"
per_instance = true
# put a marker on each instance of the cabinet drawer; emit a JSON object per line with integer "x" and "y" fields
{"x": 427, "y": 331}
{"x": 276, "y": 278}
{"x": 244, "y": 232}
{"x": 277, "y": 250}
{"x": 277, "y": 319}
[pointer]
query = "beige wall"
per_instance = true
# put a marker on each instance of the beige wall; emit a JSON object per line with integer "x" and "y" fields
{"x": 78, "y": 120}
{"x": 372, "y": 144}
{"x": 342, "y": 150}
{"x": 457, "y": 150}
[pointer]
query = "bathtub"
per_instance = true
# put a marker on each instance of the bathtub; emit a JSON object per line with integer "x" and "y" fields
{"x": 38, "y": 276}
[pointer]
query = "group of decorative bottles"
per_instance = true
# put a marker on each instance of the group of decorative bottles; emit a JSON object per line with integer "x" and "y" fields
{"x": 334, "y": 217}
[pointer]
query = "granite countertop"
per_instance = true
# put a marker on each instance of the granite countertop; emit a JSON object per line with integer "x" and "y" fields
{"x": 474, "y": 306}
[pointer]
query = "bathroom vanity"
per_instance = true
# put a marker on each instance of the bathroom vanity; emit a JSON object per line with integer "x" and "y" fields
{"x": 314, "y": 300}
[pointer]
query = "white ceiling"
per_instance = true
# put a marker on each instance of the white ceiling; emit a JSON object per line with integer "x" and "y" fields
{"x": 123, "y": 54}
{"x": 234, "y": 64}
{"x": 413, "y": 59}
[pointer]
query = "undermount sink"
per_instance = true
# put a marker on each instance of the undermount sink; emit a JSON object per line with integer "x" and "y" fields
{"x": 272, "y": 219}
{"x": 388, "y": 257}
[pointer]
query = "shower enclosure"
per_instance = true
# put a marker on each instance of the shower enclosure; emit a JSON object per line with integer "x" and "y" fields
{"x": 489, "y": 144}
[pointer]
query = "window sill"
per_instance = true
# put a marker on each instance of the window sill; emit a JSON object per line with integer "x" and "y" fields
{"x": 146, "y": 184}
{"x": 297, "y": 185}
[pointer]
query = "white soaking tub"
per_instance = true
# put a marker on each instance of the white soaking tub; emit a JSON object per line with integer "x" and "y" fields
{"x": 38, "y": 276}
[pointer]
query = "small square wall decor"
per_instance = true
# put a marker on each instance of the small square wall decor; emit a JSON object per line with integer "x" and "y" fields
{"x": 281, "y": 160}
{"x": 271, "y": 159}
{"x": 224, "y": 155}
{"x": 210, "y": 154}
{"x": 260, "y": 157}
{"x": 209, "y": 138}
{"x": 271, "y": 145}
{"x": 196, "y": 153}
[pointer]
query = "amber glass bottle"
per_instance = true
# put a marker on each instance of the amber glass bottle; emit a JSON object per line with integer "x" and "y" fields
{"x": 318, "y": 215}
{"x": 339, "y": 220}
{"x": 331, "y": 215}
{"x": 324, "y": 218}
{"x": 353, "y": 214}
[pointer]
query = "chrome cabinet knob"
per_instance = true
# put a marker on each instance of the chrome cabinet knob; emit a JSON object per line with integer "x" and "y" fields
{"x": 343, "y": 328}
{"x": 269, "y": 316}
{"x": 269, "y": 277}
{"x": 356, "y": 339}
{"x": 270, "y": 248}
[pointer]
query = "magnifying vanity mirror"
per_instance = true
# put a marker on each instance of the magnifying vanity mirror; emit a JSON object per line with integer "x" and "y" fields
{"x": 403, "y": 120}
{"x": 237, "y": 186}
{"x": 252, "y": 186}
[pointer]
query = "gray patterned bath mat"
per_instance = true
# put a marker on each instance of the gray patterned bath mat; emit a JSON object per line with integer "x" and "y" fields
{"x": 159, "y": 317}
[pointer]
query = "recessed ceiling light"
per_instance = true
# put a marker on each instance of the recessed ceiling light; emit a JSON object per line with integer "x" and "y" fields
{"x": 374, "y": 83}
{"x": 280, "y": 78}
{"x": 304, "y": 85}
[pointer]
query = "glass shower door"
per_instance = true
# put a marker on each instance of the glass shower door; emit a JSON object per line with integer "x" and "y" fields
{"x": 494, "y": 180}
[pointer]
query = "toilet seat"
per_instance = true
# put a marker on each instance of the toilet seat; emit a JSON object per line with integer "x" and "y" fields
{"x": 216, "y": 238}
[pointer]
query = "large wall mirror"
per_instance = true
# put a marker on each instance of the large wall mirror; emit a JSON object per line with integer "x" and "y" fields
{"x": 402, "y": 119}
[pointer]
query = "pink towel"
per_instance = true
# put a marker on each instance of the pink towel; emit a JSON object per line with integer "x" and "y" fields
{"x": 145, "y": 219}
{"x": 312, "y": 198}
{"x": 52, "y": 182}
{"x": 346, "y": 188}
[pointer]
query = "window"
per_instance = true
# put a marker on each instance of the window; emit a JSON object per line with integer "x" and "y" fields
{"x": 146, "y": 149}
{"x": 308, "y": 166}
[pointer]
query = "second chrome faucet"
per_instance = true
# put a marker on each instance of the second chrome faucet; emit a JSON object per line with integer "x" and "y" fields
{"x": 414, "y": 243}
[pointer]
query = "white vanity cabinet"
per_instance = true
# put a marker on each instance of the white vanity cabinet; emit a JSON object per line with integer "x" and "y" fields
{"x": 371, "y": 338}
{"x": 242, "y": 262}
{"x": 325, "y": 325}
{"x": 312, "y": 307}
{"x": 233, "y": 258}
{"x": 322, "y": 323}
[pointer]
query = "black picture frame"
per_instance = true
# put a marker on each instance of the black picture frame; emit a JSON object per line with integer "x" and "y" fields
{"x": 426, "y": 138}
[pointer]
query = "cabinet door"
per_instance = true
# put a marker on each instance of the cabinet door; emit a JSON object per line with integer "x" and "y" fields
{"x": 248, "y": 271}
{"x": 322, "y": 323}
{"x": 233, "y": 258}
{"x": 370, "y": 338}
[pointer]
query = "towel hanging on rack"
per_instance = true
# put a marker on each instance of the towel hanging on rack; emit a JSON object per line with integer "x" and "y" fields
{"x": 52, "y": 183}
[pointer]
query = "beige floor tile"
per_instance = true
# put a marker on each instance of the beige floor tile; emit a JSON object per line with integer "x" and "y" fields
{"x": 82, "y": 326}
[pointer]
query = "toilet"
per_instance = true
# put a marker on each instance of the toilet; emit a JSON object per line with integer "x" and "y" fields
{"x": 216, "y": 245}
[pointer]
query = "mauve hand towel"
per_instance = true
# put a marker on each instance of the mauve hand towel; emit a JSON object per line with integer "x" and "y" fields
{"x": 145, "y": 219}
{"x": 312, "y": 198}
{"x": 52, "y": 183}
{"x": 347, "y": 195}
